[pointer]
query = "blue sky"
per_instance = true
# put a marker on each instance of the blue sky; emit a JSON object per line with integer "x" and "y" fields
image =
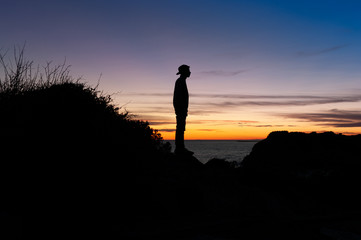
{"x": 254, "y": 63}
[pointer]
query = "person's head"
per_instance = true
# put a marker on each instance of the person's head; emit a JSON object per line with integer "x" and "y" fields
{"x": 184, "y": 71}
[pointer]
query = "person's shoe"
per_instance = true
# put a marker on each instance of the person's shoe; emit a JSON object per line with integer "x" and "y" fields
{"x": 188, "y": 152}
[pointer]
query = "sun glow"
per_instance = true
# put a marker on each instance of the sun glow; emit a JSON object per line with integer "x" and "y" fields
{"x": 248, "y": 117}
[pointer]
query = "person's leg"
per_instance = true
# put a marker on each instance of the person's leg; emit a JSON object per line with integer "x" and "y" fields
{"x": 179, "y": 135}
{"x": 179, "y": 140}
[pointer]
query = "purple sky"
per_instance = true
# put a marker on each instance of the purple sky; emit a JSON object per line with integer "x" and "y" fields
{"x": 278, "y": 64}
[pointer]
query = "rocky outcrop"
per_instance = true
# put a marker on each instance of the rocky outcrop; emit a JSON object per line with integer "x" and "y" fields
{"x": 319, "y": 172}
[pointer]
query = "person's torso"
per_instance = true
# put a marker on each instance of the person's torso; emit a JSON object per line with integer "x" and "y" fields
{"x": 181, "y": 95}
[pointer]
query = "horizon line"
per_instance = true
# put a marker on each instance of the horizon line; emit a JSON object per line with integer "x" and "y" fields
{"x": 249, "y": 140}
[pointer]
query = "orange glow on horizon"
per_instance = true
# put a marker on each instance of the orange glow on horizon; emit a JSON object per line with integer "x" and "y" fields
{"x": 211, "y": 118}
{"x": 219, "y": 134}
{"x": 239, "y": 134}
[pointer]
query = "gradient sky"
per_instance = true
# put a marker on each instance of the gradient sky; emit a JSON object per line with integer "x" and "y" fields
{"x": 257, "y": 66}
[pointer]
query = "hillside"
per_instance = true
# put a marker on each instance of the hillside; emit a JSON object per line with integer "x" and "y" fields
{"x": 67, "y": 153}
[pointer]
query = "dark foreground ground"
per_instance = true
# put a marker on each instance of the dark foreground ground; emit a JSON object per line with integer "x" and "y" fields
{"x": 292, "y": 185}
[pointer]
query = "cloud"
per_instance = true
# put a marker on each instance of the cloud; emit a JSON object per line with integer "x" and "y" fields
{"x": 149, "y": 109}
{"x": 246, "y": 99}
{"x": 212, "y": 105}
{"x": 203, "y": 122}
{"x": 350, "y": 133}
{"x": 341, "y": 125}
{"x": 248, "y": 96}
{"x": 262, "y": 125}
{"x": 173, "y": 130}
{"x": 201, "y": 112}
{"x": 166, "y": 130}
{"x": 155, "y": 117}
{"x": 147, "y": 94}
{"x": 332, "y": 118}
{"x": 221, "y": 73}
{"x": 252, "y": 100}
{"x": 264, "y": 101}
{"x": 153, "y": 123}
{"x": 322, "y": 51}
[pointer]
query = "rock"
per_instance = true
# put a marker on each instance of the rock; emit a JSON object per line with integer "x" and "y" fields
{"x": 318, "y": 171}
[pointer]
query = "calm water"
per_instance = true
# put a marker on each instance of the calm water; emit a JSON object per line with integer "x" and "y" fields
{"x": 230, "y": 150}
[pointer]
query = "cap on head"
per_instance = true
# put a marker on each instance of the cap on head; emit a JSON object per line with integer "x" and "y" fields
{"x": 183, "y": 69}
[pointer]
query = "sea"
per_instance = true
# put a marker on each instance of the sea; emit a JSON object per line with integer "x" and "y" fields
{"x": 229, "y": 150}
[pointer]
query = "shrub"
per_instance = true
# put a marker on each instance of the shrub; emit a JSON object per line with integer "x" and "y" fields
{"x": 47, "y": 110}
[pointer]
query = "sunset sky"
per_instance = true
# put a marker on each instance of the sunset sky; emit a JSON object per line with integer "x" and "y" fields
{"x": 257, "y": 66}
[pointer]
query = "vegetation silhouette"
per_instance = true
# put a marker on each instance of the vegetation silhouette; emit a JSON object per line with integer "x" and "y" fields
{"x": 73, "y": 164}
{"x": 66, "y": 149}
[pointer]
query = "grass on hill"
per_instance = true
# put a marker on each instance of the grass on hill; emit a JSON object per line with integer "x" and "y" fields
{"x": 46, "y": 108}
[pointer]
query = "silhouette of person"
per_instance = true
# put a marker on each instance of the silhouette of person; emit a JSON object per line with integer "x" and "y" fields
{"x": 180, "y": 103}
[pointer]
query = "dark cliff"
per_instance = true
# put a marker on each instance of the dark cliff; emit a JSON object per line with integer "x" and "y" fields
{"x": 320, "y": 172}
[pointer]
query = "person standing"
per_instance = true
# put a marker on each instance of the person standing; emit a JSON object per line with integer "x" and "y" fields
{"x": 180, "y": 103}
